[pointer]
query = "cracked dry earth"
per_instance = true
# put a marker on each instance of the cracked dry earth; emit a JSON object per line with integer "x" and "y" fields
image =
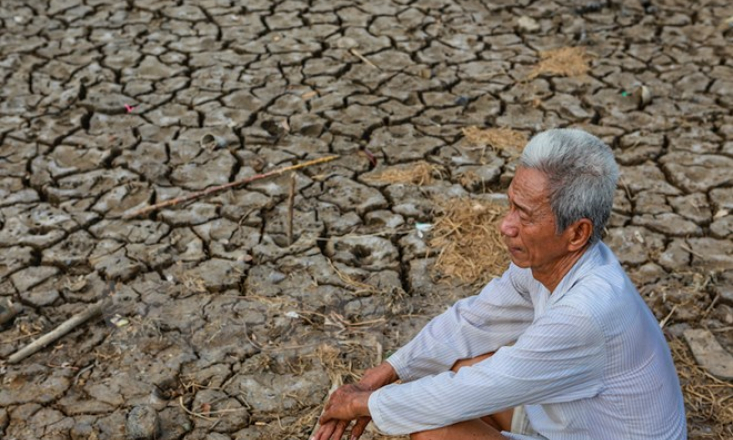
{"x": 222, "y": 329}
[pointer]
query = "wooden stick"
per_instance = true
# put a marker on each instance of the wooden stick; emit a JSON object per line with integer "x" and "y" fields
{"x": 67, "y": 326}
{"x": 291, "y": 203}
{"x": 363, "y": 58}
{"x": 216, "y": 189}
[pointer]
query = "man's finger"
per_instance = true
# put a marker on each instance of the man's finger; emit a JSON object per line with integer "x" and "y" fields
{"x": 359, "y": 427}
{"x": 340, "y": 429}
{"x": 325, "y": 431}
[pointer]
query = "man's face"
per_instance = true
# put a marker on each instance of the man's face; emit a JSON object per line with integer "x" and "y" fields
{"x": 529, "y": 226}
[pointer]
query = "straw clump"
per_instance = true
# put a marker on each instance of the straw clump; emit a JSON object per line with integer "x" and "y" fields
{"x": 565, "y": 61}
{"x": 500, "y": 139}
{"x": 707, "y": 399}
{"x": 420, "y": 173}
{"x": 471, "y": 249}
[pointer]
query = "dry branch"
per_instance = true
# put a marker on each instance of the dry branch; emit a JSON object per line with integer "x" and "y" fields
{"x": 364, "y": 59}
{"x": 67, "y": 326}
{"x": 219, "y": 188}
{"x": 291, "y": 203}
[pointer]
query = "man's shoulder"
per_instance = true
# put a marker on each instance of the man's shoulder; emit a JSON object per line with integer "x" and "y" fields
{"x": 605, "y": 295}
{"x": 602, "y": 272}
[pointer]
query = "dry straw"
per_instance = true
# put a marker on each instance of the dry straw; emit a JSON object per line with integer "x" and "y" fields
{"x": 419, "y": 173}
{"x": 466, "y": 232}
{"x": 708, "y": 400}
{"x": 501, "y": 139}
{"x": 565, "y": 61}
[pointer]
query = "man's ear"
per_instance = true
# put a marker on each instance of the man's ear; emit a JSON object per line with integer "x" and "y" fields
{"x": 579, "y": 234}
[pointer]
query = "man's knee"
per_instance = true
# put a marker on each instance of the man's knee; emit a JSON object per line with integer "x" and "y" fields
{"x": 470, "y": 429}
{"x": 468, "y": 362}
{"x": 421, "y": 436}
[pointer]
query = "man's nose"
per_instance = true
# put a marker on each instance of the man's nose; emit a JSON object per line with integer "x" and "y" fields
{"x": 508, "y": 226}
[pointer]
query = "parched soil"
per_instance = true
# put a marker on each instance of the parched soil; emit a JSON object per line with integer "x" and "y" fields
{"x": 233, "y": 315}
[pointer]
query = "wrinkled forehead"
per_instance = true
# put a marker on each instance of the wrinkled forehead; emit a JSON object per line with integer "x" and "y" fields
{"x": 529, "y": 188}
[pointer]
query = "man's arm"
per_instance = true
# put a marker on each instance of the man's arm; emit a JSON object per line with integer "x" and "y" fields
{"x": 379, "y": 376}
{"x": 471, "y": 327}
{"x": 559, "y": 358}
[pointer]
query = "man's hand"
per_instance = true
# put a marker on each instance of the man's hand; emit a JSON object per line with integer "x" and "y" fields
{"x": 336, "y": 428}
{"x": 351, "y": 402}
{"x": 347, "y": 403}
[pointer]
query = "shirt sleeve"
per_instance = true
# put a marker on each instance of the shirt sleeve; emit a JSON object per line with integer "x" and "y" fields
{"x": 471, "y": 327}
{"x": 559, "y": 358}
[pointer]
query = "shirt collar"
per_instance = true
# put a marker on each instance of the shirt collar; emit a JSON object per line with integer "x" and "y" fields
{"x": 584, "y": 265}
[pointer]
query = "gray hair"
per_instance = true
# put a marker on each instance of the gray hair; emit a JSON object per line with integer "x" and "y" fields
{"x": 582, "y": 175}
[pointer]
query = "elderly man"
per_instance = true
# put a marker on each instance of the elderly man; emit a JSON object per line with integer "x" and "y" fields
{"x": 560, "y": 347}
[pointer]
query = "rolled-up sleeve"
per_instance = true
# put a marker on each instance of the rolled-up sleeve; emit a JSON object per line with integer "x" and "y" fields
{"x": 471, "y": 327}
{"x": 559, "y": 358}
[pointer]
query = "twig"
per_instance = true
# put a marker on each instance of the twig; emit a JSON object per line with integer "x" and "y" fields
{"x": 84, "y": 370}
{"x": 29, "y": 335}
{"x": 663, "y": 322}
{"x": 710, "y": 307}
{"x": 692, "y": 252}
{"x": 195, "y": 414}
{"x": 67, "y": 326}
{"x": 363, "y": 58}
{"x": 291, "y": 202}
{"x": 250, "y": 340}
{"x": 219, "y": 188}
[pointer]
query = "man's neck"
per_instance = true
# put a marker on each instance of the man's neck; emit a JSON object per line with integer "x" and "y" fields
{"x": 551, "y": 276}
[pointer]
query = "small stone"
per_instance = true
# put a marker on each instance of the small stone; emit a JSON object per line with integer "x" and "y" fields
{"x": 8, "y": 310}
{"x": 346, "y": 43}
{"x": 527, "y": 24}
{"x": 697, "y": 172}
{"x": 725, "y": 292}
{"x": 143, "y": 423}
{"x": 367, "y": 252}
{"x": 709, "y": 354}
{"x": 668, "y": 223}
{"x": 28, "y": 278}
{"x": 81, "y": 431}
{"x": 3, "y": 418}
{"x": 722, "y": 227}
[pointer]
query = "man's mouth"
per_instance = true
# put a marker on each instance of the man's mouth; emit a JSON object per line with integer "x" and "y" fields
{"x": 513, "y": 249}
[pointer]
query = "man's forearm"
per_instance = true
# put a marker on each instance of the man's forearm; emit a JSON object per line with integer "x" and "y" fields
{"x": 379, "y": 376}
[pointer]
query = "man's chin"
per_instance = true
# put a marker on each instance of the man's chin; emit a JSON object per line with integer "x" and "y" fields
{"x": 515, "y": 256}
{"x": 519, "y": 262}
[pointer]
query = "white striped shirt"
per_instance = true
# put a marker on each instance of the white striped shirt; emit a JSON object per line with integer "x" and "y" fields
{"x": 588, "y": 361}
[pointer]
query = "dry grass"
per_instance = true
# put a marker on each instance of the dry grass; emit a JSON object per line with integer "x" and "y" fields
{"x": 565, "y": 61}
{"x": 500, "y": 139}
{"x": 471, "y": 248}
{"x": 420, "y": 173}
{"x": 708, "y": 400}
{"x": 469, "y": 179}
